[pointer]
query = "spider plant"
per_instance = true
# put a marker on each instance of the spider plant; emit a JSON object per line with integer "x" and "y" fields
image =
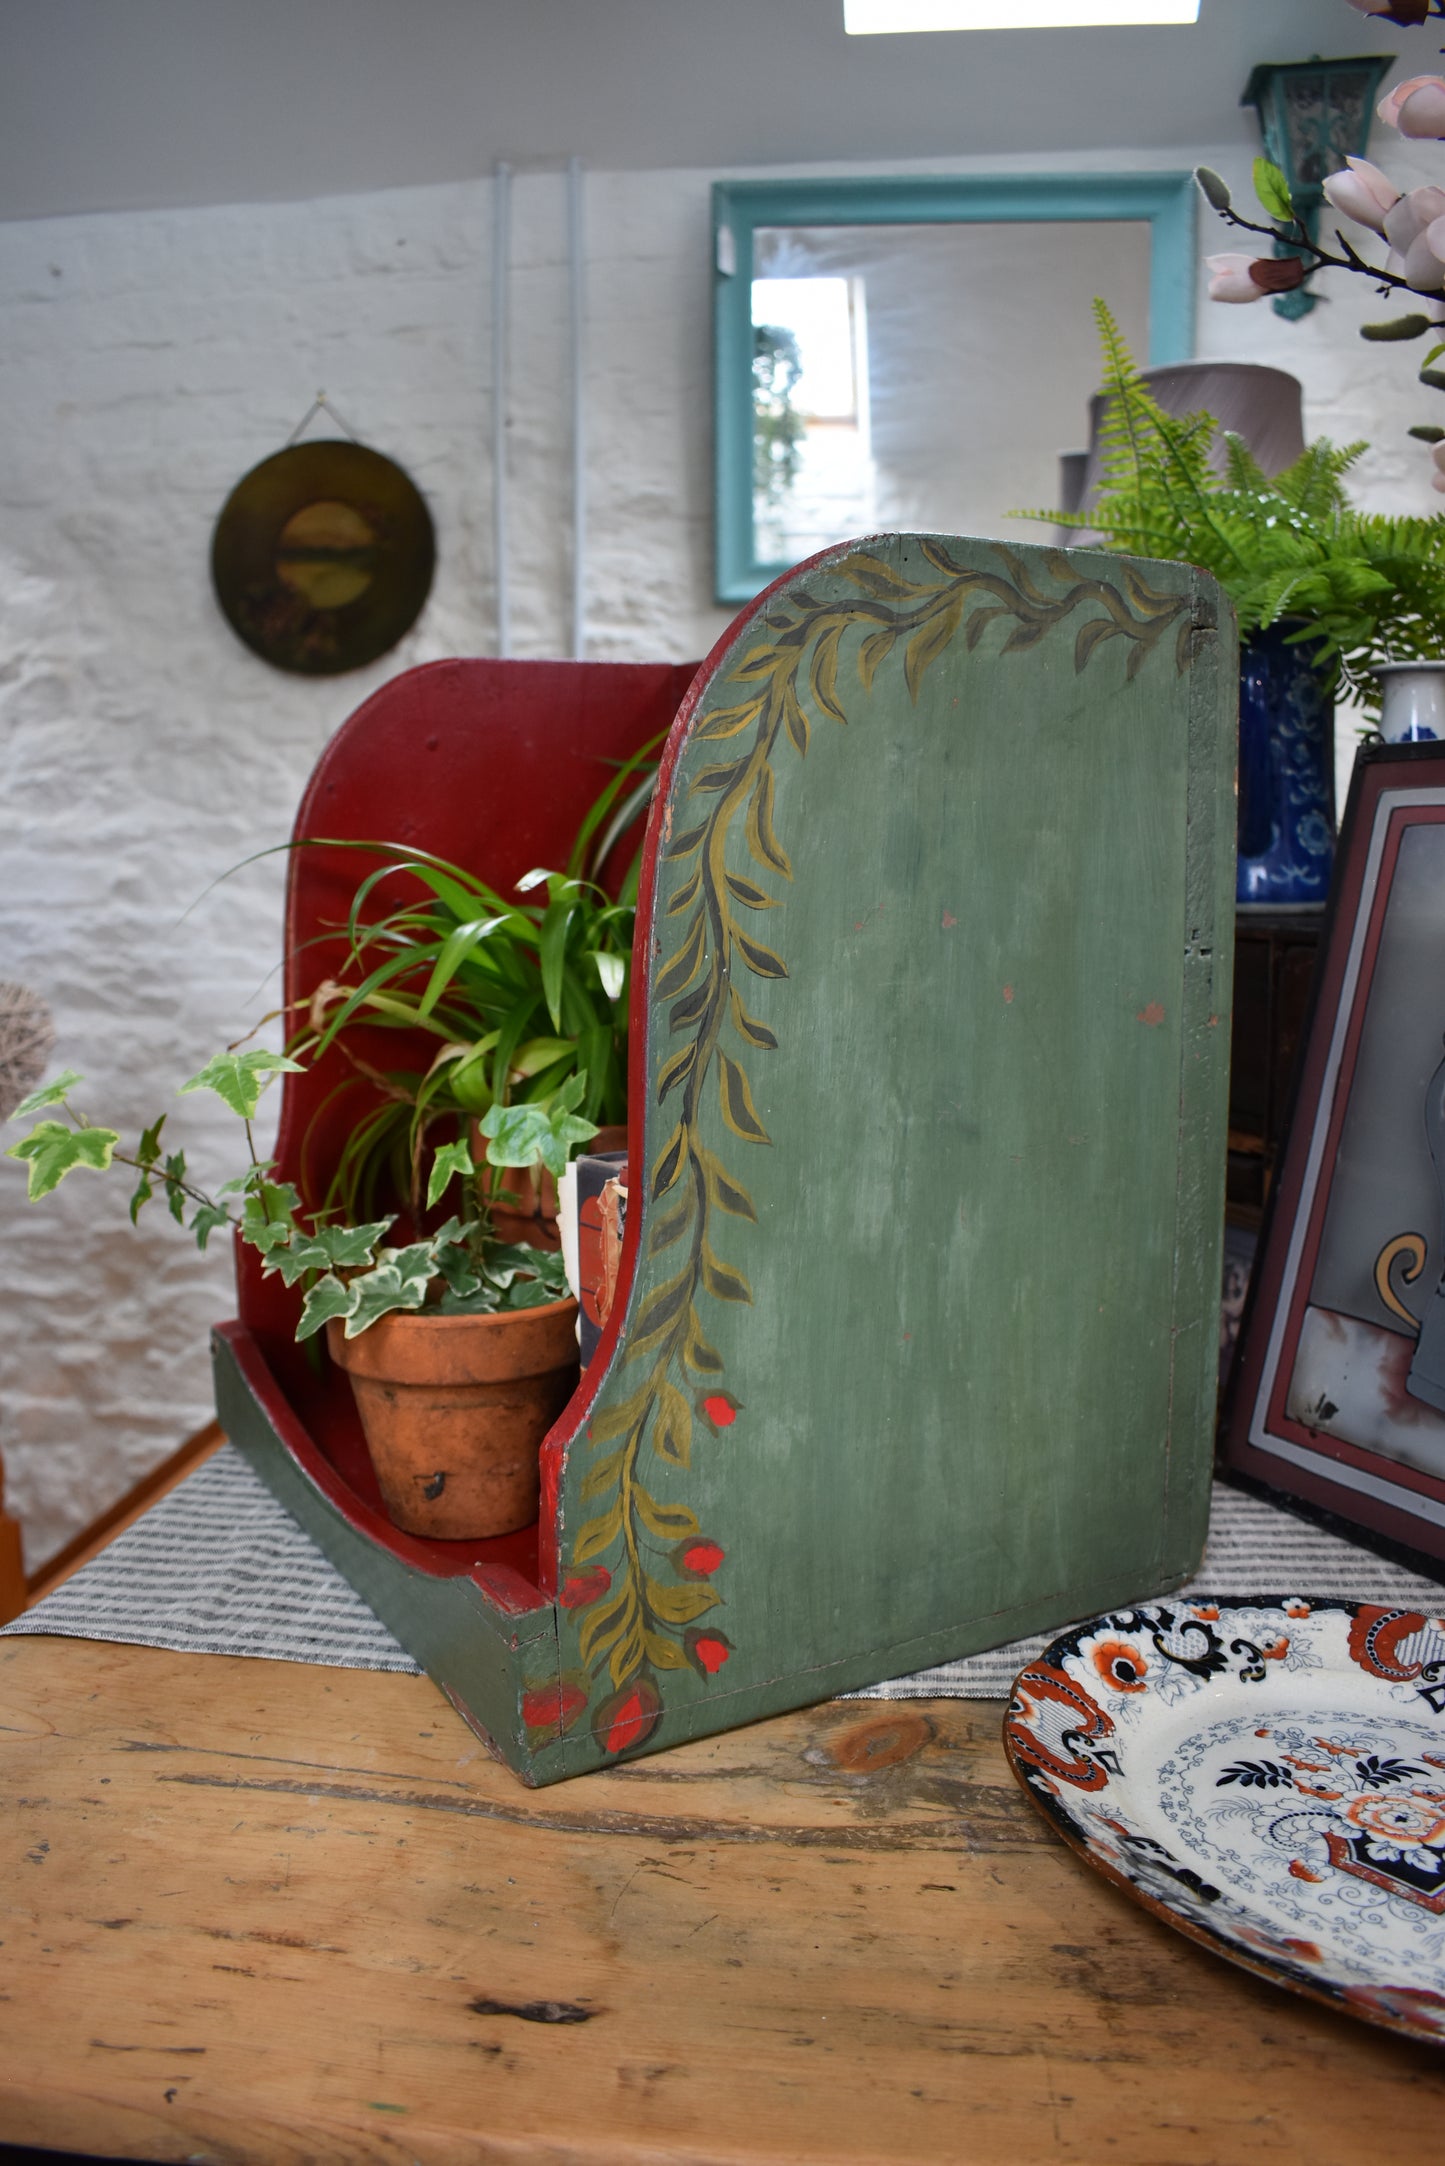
{"x": 517, "y": 998}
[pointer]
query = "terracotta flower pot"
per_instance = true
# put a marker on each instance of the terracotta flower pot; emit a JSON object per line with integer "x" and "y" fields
{"x": 534, "y": 1220}
{"x": 454, "y": 1408}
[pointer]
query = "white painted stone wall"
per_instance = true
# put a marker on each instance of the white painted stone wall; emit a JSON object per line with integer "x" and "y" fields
{"x": 146, "y": 361}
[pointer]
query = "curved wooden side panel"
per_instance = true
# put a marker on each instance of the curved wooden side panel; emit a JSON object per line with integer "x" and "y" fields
{"x": 918, "y": 1344}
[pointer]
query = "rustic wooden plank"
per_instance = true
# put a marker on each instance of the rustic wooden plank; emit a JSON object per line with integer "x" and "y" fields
{"x": 261, "y": 1912}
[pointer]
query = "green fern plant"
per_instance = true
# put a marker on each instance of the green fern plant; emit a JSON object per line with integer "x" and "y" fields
{"x": 1289, "y": 548}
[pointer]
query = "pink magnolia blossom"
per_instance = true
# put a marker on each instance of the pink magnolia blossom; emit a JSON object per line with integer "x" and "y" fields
{"x": 1416, "y": 107}
{"x": 1411, "y": 213}
{"x": 1364, "y": 193}
{"x": 1229, "y": 279}
{"x": 1422, "y": 264}
{"x": 1437, "y": 479}
{"x": 1406, "y": 220}
{"x": 1423, "y": 268}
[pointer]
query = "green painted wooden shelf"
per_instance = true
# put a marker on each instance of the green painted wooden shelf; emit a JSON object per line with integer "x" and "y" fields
{"x": 915, "y": 1344}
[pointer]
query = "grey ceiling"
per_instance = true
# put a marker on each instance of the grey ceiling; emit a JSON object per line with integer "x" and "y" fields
{"x": 107, "y": 104}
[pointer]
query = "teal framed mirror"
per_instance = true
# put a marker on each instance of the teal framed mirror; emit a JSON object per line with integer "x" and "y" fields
{"x": 915, "y": 353}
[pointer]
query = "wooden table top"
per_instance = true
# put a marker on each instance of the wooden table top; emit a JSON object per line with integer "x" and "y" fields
{"x": 255, "y": 1911}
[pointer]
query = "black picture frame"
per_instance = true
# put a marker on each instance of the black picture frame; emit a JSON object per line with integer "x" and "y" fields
{"x": 1335, "y": 1406}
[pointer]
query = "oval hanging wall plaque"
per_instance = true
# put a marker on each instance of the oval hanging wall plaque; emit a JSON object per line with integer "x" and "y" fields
{"x": 322, "y": 557}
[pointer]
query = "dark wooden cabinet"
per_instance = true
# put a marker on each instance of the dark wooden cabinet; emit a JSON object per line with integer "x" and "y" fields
{"x": 1274, "y": 963}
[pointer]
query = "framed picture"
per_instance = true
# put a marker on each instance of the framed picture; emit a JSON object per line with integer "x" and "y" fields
{"x": 1338, "y": 1394}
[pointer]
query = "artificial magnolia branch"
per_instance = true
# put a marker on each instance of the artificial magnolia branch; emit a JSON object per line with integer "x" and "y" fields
{"x": 1411, "y": 222}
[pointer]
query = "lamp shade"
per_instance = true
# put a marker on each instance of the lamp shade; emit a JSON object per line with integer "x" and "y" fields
{"x": 1264, "y": 406}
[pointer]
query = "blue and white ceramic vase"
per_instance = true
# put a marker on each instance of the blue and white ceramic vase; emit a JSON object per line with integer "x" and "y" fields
{"x": 1286, "y": 773}
{"x": 1412, "y": 702}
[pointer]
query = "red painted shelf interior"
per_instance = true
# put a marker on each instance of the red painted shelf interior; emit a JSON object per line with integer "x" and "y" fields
{"x": 491, "y": 765}
{"x": 312, "y": 1411}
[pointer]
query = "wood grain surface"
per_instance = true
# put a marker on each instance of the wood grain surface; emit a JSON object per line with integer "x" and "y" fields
{"x": 260, "y": 1912}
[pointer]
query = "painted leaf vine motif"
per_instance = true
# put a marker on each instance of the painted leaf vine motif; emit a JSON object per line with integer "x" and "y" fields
{"x": 647, "y": 1607}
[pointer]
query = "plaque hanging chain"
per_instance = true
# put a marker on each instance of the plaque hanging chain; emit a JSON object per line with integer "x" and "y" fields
{"x": 320, "y": 403}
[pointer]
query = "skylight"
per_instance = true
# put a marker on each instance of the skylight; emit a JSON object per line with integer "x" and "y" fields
{"x": 877, "y": 18}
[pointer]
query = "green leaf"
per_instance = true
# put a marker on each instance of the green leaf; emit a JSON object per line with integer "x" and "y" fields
{"x": 456, "y": 948}
{"x": 569, "y": 1095}
{"x": 551, "y": 950}
{"x": 1427, "y": 432}
{"x": 456, "y": 1268}
{"x": 1272, "y": 189}
{"x": 1433, "y": 378}
{"x": 268, "y": 1216}
{"x": 208, "y": 1220}
{"x": 569, "y": 1133}
{"x": 240, "y": 1078}
{"x": 50, "y": 1094}
{"x": 148, "y": 1150}
{"x": 292, "y": 1252}
{"x": 611, "y": 972}
{"x": 53, "y": 1150}
{"x": 451, "y": 1159}
{"x": 532, "y": 1289}
{"x": 400, "y": 1284}
{"x": 530, "y": 1135}
{"x": 327, "y": 1298}
{"x": 515, "y": 1134}
{"x": 174, "y": 1174}
{"x": 347, "y": 1248}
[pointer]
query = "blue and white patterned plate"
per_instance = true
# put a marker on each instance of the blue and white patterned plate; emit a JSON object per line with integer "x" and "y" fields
{"x": 1266, "y": 1774}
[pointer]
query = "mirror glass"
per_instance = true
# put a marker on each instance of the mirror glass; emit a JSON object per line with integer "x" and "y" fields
{"x": 927, "y": 377}
{"x": 890, "y": 372}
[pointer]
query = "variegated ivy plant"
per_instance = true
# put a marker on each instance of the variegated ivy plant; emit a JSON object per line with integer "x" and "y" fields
{"x": 349, "y": 1272}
